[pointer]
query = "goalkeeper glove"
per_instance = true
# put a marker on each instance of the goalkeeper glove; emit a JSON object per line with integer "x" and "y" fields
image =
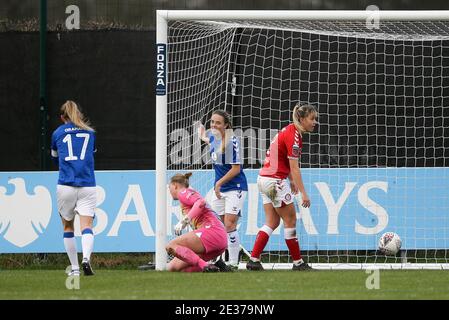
{"x": 181, "y": 225}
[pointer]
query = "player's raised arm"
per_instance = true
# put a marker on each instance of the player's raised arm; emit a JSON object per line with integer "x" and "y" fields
{"x": 201, "y": 132}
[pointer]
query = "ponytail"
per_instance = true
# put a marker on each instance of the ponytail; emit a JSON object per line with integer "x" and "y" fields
{"x": 70, "y": 111}
{"x": 182, "y": 179}
{"x": 302, "y": 111}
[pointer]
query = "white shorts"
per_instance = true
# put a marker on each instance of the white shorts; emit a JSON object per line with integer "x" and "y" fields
{"x": 72, "y": 200}
{"x": 231, "y": 202}
{"x": 275, "y": 191}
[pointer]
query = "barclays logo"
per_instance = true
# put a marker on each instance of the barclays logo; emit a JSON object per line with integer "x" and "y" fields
{"x": 24, "y": 216}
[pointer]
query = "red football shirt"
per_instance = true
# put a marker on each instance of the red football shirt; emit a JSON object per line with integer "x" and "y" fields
{"x": 286, "y": 145}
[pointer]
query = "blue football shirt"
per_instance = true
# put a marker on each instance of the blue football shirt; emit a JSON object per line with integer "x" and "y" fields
{"x": 222, "y": 162}
{"x": 73, "y": 148}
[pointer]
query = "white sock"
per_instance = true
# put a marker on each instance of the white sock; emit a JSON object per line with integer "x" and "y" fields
{"x": 70, "y": 248}
{"x": 87, "y": 241}
{"x": 254, "y": 259}
{"x": 233, "y": 247}
{"x": 298, "y": 261}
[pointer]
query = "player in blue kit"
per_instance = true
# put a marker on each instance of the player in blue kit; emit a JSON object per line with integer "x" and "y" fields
{"x": 72, "y": 148}
{"x": 230, "y": 185}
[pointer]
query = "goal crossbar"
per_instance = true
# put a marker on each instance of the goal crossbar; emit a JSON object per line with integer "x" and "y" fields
{"x": 339, "y": 15}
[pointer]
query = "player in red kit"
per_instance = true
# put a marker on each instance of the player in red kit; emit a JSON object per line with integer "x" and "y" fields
{"x": 282, "y": 162}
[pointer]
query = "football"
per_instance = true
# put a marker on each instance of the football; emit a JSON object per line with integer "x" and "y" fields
{"x": 390, "y": 243}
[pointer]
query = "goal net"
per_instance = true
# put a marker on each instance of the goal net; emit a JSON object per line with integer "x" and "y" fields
{"x": 377, "y": 161}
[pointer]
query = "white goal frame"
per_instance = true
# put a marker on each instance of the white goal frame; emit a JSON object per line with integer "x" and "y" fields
{"x": 162, "y": 19}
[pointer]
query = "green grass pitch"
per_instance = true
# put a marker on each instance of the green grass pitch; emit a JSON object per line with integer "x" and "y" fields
{"x": 241, "y": 285}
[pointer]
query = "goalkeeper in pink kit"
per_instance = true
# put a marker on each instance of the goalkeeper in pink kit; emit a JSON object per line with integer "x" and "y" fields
{"x": 208, "y": 239}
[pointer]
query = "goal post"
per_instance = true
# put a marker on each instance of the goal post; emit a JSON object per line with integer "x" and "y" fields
{"x": 378, "y": 162}
{"x": 161, "y": 143}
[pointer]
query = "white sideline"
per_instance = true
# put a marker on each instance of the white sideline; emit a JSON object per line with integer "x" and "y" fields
{"x": 357, "y": 266}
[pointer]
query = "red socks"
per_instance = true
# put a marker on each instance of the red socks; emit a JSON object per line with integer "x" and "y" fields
{"x": 259, "y": 245}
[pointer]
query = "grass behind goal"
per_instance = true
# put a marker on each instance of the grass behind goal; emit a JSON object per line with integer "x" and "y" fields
{"x": 244, "y": 285}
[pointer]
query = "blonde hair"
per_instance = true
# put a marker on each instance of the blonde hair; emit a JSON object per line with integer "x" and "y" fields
{"x": 302, "y": 111}
{"x": 182, "y": 179}
{"x": 70, "y": 111}
{"x": 228, "y": 131}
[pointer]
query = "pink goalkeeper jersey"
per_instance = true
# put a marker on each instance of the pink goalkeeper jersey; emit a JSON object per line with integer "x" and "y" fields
{"x": 204, "y": 217}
